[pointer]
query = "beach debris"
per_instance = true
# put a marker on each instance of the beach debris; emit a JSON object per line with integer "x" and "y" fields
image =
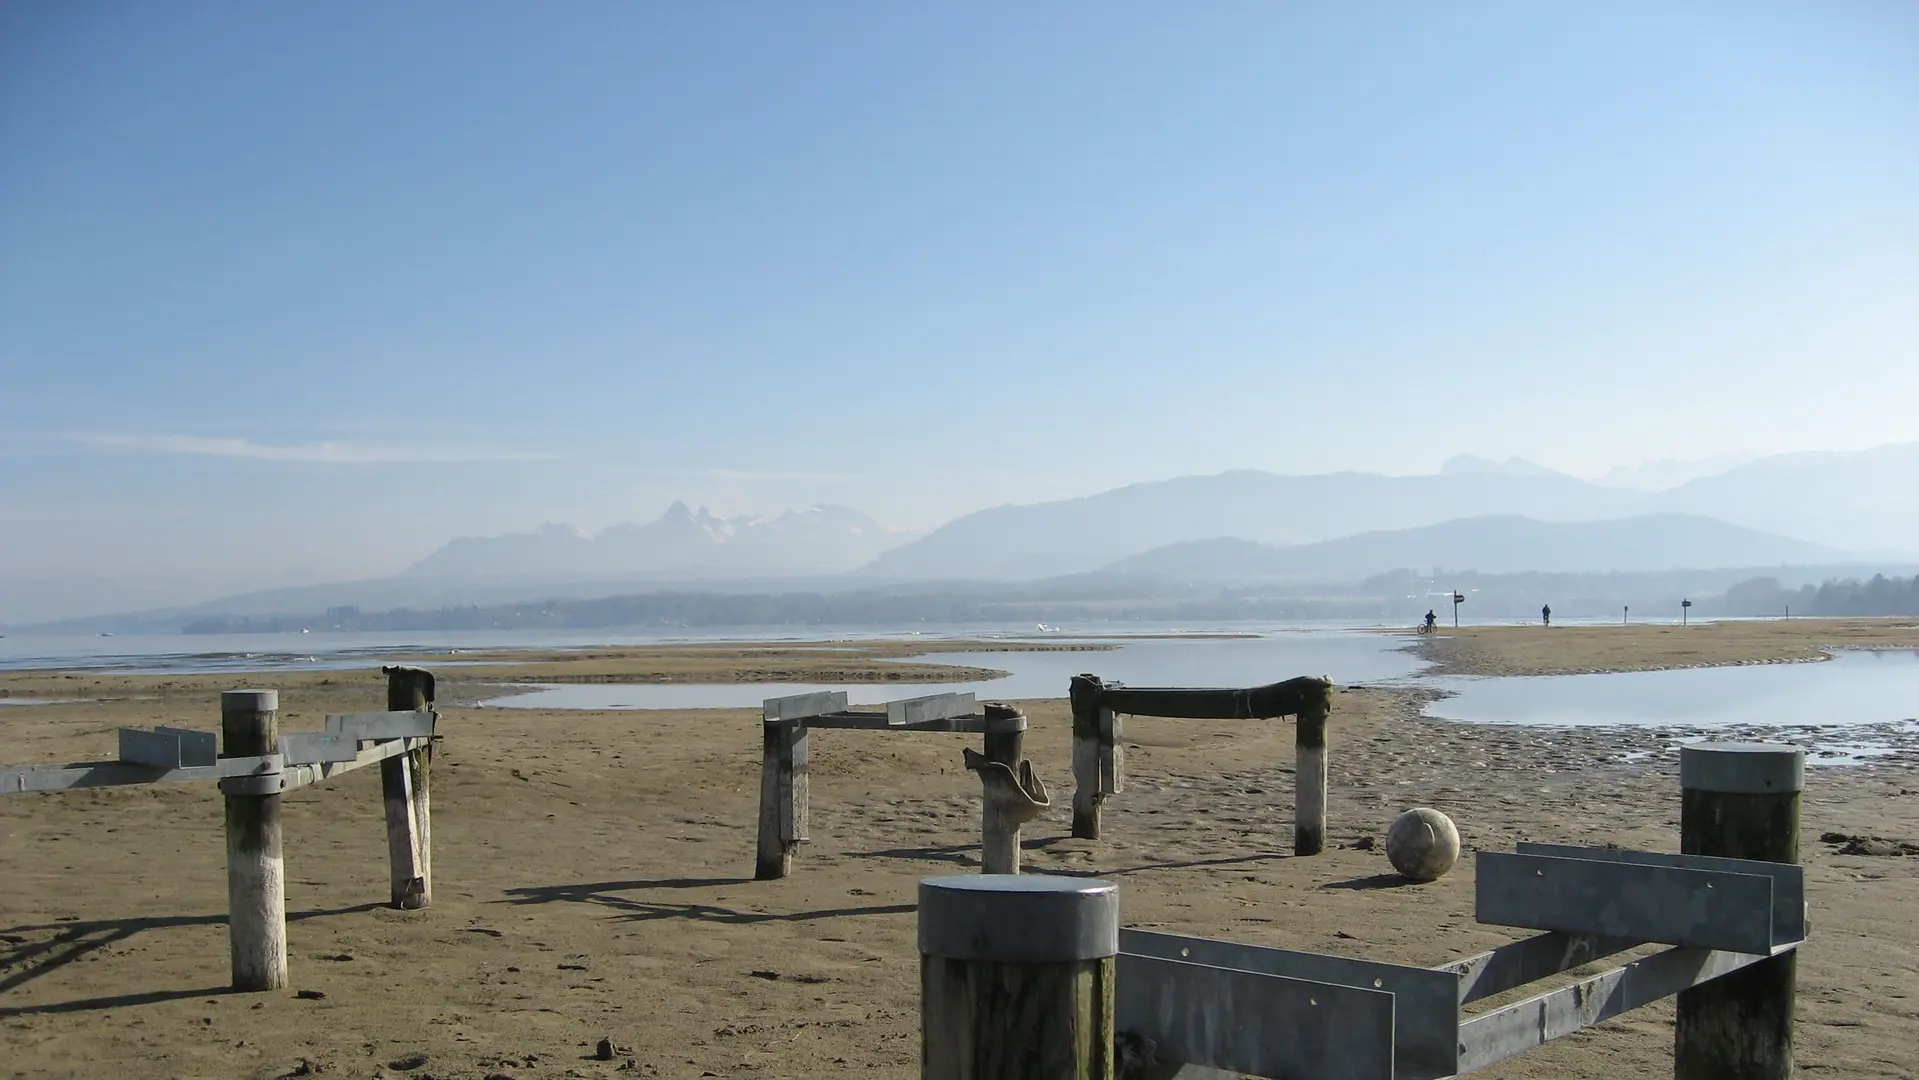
{"x": 1366, "y": 842}
{"x": 1423, "y": 844}
{"x": 310, "y": 995}
{"x": 603, "y": 1050}
{"x": 407, "y": 1062}
{"x": 1876, "y": 846}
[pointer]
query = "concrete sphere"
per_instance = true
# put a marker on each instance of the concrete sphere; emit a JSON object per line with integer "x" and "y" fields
{"x": 1422, "y": 844}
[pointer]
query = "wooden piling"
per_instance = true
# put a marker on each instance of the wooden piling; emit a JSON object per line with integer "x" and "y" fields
{"x": 1011, "y": 794}
{"x": 1740, "y": 801}
{"x": 1085, "y": 696}
{"x": 256, "y": 869}
{"x": 784, "y": 796}
{"x": 1309, "y": 770}
{"x": 405, "y": 782}
{"x": 1017, "y": 977}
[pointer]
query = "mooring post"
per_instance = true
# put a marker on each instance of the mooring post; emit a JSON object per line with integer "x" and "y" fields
{"x": 1005, "y": 739}
{"x": 1085, "y": 696}
{"x": 1011, "y": 794}
{"x": 1309, "y": 771}
{"x": 784, "y": 796}
{"x": 1016, "y": 977}
{"x": 1740, "y": 801}
{"x": 256, "y": 870}
{"x": 405, "y": 781}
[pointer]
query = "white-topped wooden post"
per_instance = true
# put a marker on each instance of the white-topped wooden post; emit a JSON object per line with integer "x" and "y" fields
{"x": 1017, "y": 977}
{"x": 405, "y": 782}
{"x": 256, "y": 867}
{"x": 1740, "y": 801}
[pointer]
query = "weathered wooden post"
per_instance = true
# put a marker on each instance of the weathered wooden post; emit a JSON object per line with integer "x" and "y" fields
{"x": 1005, "y": 738}
{"x": 256, "y": 870}
{"x": 1011, "y": 793}
{"x": 1085, "y": 696}
{"x": 784, "y": 795}
{"x": 1016, "y": 977}
{"x": 1309, "y": 767}
{"x": 405, "y": 781}
{"x": 1740, "y": 801}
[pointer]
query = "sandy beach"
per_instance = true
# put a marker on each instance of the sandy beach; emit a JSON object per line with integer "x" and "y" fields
{"x": 594, "y": 869}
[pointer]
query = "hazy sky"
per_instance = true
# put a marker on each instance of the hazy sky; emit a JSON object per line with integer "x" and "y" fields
{"x": 298, "y": 291}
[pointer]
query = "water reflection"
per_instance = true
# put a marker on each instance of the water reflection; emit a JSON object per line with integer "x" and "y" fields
{"x": 1853, "y": 688}
{"x": 1346, "y": 656}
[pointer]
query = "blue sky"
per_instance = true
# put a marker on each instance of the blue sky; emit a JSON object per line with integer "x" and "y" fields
{"x": 299, "y": 291}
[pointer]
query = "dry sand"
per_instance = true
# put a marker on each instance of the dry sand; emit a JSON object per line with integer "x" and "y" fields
{"x": 594, "y": 875}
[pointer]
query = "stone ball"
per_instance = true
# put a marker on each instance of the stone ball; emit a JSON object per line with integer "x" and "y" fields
{"x": 1422, "y": 844}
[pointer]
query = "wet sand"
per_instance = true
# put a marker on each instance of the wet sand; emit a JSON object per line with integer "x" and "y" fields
{"x": 1584, "y": 649}
{"x": 593, "y": 873}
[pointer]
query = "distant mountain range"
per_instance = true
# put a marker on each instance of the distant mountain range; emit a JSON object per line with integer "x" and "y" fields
{"x": 1856, "y": 509}
{"x": 1500, "y": 544}
{"x": 1866, "y": 502}
{"x": 818, "y": 540}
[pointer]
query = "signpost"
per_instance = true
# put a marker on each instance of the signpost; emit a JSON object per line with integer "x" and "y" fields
{"x": 1458, "y": 599}
{"x": 1685, "y": 611}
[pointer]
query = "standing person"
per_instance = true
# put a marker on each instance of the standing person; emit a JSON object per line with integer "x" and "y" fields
{"x": 1431, "y": 620}
{"x": 1546, "y": 614}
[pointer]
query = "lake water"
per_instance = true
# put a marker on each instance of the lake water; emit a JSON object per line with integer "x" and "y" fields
{"x": 179, "y": 654}
{"x": 1347, "y": 656}
{"x": 1853, "y": 688}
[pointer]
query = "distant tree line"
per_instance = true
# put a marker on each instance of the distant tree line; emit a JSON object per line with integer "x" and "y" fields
{"x": 1879, "y": 596}
{"x": 1401, "y": 597}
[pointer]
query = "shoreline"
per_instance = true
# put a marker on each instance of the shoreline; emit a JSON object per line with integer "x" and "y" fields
{"x": 1488, "y": 651}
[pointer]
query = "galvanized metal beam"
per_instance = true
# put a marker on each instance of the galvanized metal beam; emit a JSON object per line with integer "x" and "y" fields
{"x": 1426, "y": 1001}
{"x": 1261, "y": 1025}
{"x": 1788, "y": 879}
{"x": 1708, "y": 909}
{"x": 20, "y": 779}
{"x": 804, "y": 706}
{"x": 920, "y": 710}
{"x": 1503, "y": 1033}
{"x": 1517, "y": 963}
{"x": 370, "y": 727}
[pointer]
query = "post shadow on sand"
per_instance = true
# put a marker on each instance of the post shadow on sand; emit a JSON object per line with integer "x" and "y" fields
{"x": 968, "y": 855}
{"x": 609, "y": 894}
{"x": 1372, "y": 881}
{"x": 74, "y": 940}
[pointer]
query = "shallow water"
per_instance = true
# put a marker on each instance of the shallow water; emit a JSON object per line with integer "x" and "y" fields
{"x": 1346, "y": 656}
{"x": 180, "y": 654}
{"x": 1853, "y": 688}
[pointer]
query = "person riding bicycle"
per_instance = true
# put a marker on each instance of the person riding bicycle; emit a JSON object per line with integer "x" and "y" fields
{"x": 1432, "y": 620}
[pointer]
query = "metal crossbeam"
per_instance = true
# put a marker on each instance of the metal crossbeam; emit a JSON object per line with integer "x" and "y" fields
{"x": 1672, "y": 905}
{"x": 1426, "y": 1005}
{"x": 1517, "y": 963}
{"x": 828, "y": 710}
{"x": 1503, "y": 1033}
{"x": 1242, "y": 1021}
{"x": 20, "y": 779}
{"x": 298, "y": 776}
{"x": 805, "y": 706}
{"x": 372, "y": 727}
{"x": 1788, "y": 879}
{"x": 922, "y": 710}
